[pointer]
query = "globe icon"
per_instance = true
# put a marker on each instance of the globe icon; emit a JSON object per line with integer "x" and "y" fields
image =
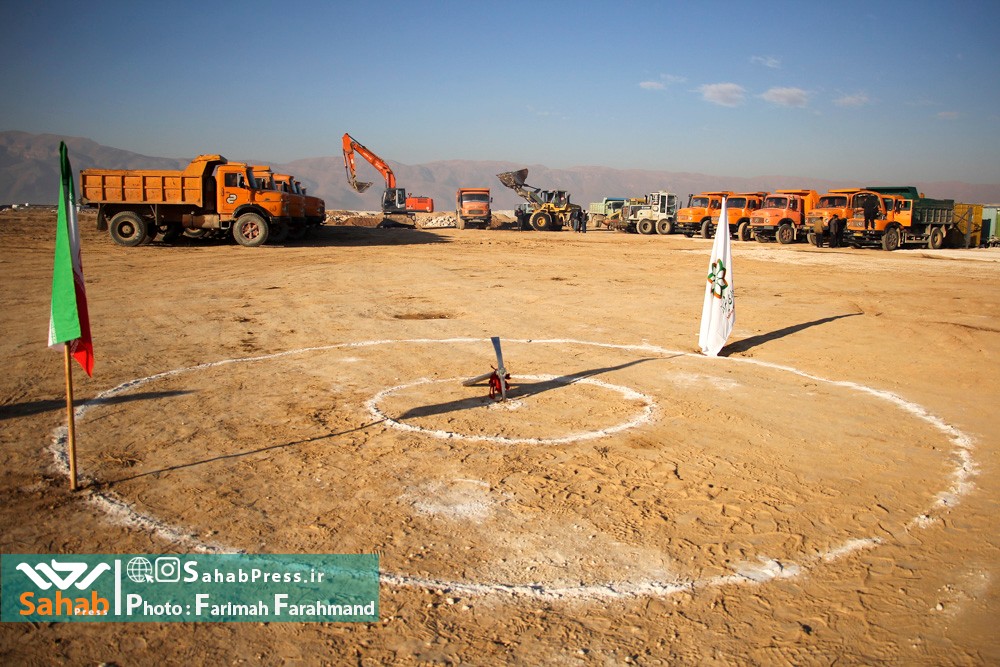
{"x": 139, "y": 570}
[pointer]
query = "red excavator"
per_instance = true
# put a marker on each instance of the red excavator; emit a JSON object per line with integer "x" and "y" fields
{"x": 394, "y": 200}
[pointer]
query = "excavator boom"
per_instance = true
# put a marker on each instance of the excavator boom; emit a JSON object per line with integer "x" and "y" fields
{"x": 350, "y": 147}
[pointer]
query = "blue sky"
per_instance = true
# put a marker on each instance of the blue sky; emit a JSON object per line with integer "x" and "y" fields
{"x": 890, "y": 91}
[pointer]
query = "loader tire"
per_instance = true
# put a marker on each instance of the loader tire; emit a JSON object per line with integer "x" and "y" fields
{"x": 542, "y": 222}
{"x": 251, "y": 230}
{"x": 646, "y": 227}
{"x": 665, "y": 226}
{"x": 129, "y": 229}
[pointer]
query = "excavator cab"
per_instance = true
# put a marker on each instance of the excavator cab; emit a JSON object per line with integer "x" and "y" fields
{"x": 394, "y": 200}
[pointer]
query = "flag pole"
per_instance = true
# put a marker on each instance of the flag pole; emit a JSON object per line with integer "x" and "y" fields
{"x": 71, "y": 440}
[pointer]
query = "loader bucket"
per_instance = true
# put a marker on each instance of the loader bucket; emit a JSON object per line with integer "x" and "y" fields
{"x": 513, "y": 179}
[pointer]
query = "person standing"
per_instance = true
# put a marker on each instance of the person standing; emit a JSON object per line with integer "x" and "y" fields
{"x": 871, "y": 210}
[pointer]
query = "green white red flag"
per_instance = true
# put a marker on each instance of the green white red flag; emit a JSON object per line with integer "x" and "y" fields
{"x": 718, "y": 314}
{"x": 68, "y": 319}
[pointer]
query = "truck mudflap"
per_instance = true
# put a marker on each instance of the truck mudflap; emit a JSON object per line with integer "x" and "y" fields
{"x": 513, "y": 179}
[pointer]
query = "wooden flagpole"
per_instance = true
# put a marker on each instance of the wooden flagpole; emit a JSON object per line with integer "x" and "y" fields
{"x": 71, "y": 440}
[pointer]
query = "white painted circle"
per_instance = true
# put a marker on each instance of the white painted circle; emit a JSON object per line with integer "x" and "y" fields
{"x": 765, "y": 569}
{"x": 643, "y": 417}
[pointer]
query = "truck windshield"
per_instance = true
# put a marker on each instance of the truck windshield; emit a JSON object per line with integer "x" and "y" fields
{"x": 832, "y": 202}
{"x": 736, "y": 202}
{"x": 699, "y": 202}
{"x": 776, "y": 202}
{"x": 476, "y": 197}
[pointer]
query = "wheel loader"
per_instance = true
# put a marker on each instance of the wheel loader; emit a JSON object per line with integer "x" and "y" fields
{"x": 551, "y": 210}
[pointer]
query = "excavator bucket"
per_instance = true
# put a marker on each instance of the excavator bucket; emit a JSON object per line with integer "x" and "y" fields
{"x": 513, "y": 179}
{"x": 359, "y": 186}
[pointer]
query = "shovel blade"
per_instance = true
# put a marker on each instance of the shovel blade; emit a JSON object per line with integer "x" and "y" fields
{"x": 513, "y": 179}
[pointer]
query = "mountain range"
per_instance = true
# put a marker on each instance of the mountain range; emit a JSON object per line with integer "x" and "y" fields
{"x": 29, "y": 173}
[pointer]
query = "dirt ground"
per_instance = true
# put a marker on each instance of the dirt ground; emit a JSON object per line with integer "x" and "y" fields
{"x": 825, "y": 492}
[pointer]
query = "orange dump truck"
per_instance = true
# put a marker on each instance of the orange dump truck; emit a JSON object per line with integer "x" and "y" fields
{"x": 904, "y": 216}
{"x": 696, "y": 217}
{"x": 314, "y": 208}
{"x": 832, "y": 211}
{"x": 782, "y": 216}
{"x": 740, "y": 207}
{"x": 472, "y": 208}
{"x": 210, "y": 194}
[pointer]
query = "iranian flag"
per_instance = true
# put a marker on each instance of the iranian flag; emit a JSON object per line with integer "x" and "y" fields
{"x": 68, "y": 321}
{"x": 718, "y": 315}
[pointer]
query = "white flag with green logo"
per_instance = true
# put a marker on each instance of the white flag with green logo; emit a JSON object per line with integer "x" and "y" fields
{"x": 718, "y": 315}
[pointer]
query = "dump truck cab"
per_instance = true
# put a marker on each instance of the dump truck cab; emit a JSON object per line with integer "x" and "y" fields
{"x": 696, "y": 217}
{"x": 472, "y": 207}
{"x": 835, "y": 206}
{"x": 782, "y": 216}
{"x": 740, "y": 207}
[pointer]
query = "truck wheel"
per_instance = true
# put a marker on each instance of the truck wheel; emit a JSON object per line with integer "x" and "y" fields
{"x": 646, "y": 226}
{"x": 129, "y": 229}
{"x": 250, "y": 230}
{"x": 813, "y": 239}
{"x": 280, "y": 232}
{"x": 935, "y": 241}
{"x": 706, "y": 229}
{"x": 890, "y": 239}
{"x": 459, "y": 222}
{"x": 785, "y": 234}
{"x": 760, "y": 237}
{"x": 743, "y": 231}
{"x": 665, "y": 226}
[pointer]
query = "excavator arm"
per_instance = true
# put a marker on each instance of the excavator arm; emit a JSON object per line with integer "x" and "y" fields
{"x": 350, "y": 147}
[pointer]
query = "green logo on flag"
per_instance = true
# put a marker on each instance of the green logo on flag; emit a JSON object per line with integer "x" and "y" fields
{"x": 717, "y": 279}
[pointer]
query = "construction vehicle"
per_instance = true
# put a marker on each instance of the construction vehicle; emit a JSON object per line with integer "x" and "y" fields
{"x": 904, "y": 217}
{"x": 472, "y": 207}
{"x": 394, "y": 200}
{"x": 209, "y": 196}
{"x": 657, "y": 215}
{"x": 782, "y": 216}
{"x": 837, "y": 207}
{"x": 696, "y": 217}
{"x": 602, "y": 212}
{"x": 550, "y": 209}
{"x": 740, "y": 207}
{"x": 314, "y": 208}
{"x": 266, "y": 179}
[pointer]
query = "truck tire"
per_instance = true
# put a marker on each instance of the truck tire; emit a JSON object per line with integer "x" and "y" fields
{"x": 646, "y": 226}
{"x": 459, "y": 222}
{"x": 280, "y": 232}
{"x": 743, "y": 231}
{"x": 890, "y": 239}
{"x": 785, "y": 233}
{"x": 129, "y": 229}
{"x": 706, "y": 229}
{"x": 935, "y": 240}
{"x": 665, "y": 226}
{"x": 250, "y": 230}
{"x": 542, "y": 222}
